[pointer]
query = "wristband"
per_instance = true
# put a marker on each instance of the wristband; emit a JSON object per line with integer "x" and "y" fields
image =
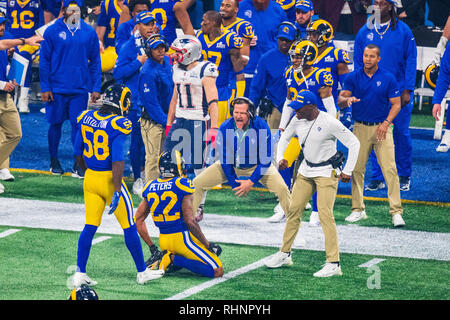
{"x": 388, "y": 121}
{"x": 23, "y": 41}
{"x": 212, "y": 101}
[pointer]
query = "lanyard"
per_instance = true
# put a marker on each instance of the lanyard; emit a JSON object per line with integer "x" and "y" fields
{"x": 240, "y": 139}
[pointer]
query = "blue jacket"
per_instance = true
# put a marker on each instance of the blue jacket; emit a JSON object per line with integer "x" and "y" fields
{"x": 124, "y": 32}
{"x": 126, "y": 70}
{"x": 70, "y": 63}
{"x": 398, "y": 52}
{"x": 443, "y": 80}
{"x": 269, "y": 78}
{"x": 156, "y": 89}
{"x": 244, "y": 149}
{"x": 265, "y": 24}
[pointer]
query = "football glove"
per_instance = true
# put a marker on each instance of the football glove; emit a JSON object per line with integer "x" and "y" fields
{"x": 114, "y": 202}
{"x": 215, "y": 248}
{"x": 155, "y": 255}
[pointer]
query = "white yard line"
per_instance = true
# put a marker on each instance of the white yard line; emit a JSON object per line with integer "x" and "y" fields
{"x": 8, "y": 232}
{"x": 100, "y": 239}
{"x": 370, "y": 263}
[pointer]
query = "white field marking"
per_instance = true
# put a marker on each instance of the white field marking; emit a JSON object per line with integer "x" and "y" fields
{"x": 8, "y": 232}
{"x": 100, "y": 239}
{"x": 208, "y": 284}
{"x": 370, "y": 263}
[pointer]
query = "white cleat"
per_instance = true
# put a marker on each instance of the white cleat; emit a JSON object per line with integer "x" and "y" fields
{"x": 356, "y": 216}
{"x": 329, "y": 269}
{"x": 442, "y": 147}
{"x": 138, "y": 186}
{"x": 279, "y": 259}
{"x": 398, "y": 221}
{"x": 278, "y": 215}
{"x": 148, "y": 275}
{"x": 80, "y": 278}
{"x": 314, "y": 220}
{"x": 5, "y": 175}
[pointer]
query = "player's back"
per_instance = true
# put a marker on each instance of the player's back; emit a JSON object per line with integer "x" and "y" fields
{"x": 103, "y": 137}
{"x": 165, "y": 197}
{"x": 109, "y": 18}
{"x": 163, "y": 12}
{"x": 192, "y": 102}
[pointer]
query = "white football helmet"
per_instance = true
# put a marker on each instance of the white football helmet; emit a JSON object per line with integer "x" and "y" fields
{"x": 187, "y": 49}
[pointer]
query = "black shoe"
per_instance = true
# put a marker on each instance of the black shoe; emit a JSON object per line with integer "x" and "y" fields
{"x": 55, "y": 167}
{"x": 375, "y": 185}
{"x": 77, "y": 172}
{"x": 405, "y": 183}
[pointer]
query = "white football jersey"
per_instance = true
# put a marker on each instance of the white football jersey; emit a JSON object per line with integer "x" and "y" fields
{"x": 192, "y": 102}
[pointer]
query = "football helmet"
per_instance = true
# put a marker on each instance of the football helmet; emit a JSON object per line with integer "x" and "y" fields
{"x": 187, "y": 49}
{"x": 324, "y": 31}
{"x": 307, "y": 51}
{"x": 83, "y": 293}
{"x": 431, "y": 75}
{"x": 119, "y": 97}
{"x": 171, "y": 164}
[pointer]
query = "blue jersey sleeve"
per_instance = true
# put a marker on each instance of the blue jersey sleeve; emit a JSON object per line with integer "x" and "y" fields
{"x": 443, "y": 80}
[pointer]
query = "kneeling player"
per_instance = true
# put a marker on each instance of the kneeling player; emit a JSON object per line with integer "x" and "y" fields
{"x": 169, "y": 200}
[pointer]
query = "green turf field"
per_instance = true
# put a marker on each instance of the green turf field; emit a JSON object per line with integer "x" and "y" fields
{"x": 37, "y": 263}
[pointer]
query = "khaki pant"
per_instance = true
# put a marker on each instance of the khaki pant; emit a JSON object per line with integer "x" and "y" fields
{"x": 385, "y": 153}
{"x": 273, "y": 119}
{"x": 153, "y": 135}
{"x": 214, "y": 175}
{"x": 302, "y": 192}
{"x": 10, "y": 127}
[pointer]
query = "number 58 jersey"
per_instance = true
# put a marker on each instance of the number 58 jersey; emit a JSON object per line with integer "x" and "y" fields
{"x": 101, "y": 139}
{"x": 164, "y": 197}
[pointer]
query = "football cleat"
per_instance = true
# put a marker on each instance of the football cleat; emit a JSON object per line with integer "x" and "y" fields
{"x": 77, "y": 172}
{"x": 329, "y": 269}
{"x": 279, "y": 259}
{"x": 148, "y": 275}
{"x": 356, "y": 216}
{"x": 278, "y": 215}
{"x": 55, "y": 167}
{"x": 398, "y": 221}
{"x": 80, "y": 278}
{"x": 83, "y": 293}
{"x": 375, "y": 185}
{"x": 5, "y": 175}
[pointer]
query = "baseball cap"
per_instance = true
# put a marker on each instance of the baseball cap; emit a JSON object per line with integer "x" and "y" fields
{"x": 304, "y": 5}
{"x": 145, "y": 17}
{"x": 287, "y": 30}
{"x": 303, "y": 98}
{"x": 66, "y": 3}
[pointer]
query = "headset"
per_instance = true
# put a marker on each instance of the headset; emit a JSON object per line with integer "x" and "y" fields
{"x": 290, "y": 24}
{"x": 251, "y": 106}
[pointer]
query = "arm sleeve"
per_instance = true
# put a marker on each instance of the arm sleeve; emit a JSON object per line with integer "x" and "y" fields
{"x": 95, "y": 64}
{"x": 286, "y": 115}
{"x": 284, "y": 140}
{"x": 358, "y": 51}
{"x": 411, "y": 62}
{"x": 126, "y": 64}
{"x": 148, "y": 92}
{"x": 78, "y": 145}
{"x": 224, "y": 157}
{"x": 44, "y": 63}
{"x": 118, "y": 148}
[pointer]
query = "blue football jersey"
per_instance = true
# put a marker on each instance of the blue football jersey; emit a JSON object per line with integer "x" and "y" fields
{"x": 329, "y": 60}
{"x": 217, "y": 51}
{"x": 162, "y": 10}
{"x": 109, "y": 17}
{"x": 164, "y": 197}
{"x": 103, "y": 138}
{"x": 313, "y": 82}
{"x": 25, "y": 16}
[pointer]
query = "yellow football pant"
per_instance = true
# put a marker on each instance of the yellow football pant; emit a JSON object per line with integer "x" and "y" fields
{"x": 224, "y": 112}
{"x": 98, "y": 192}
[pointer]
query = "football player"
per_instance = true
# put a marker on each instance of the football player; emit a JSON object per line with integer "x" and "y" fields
{"x": 99, "y": 150}
{"x": 108, "y": 22}
{"x": 169, "y": 200}
{"x": 221, "y": 47}
{"x": 194, "y": 104}
{"x": 244, "y": 29}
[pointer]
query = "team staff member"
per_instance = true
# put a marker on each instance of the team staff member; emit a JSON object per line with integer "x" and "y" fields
{"x": 221, "y": 47}
{"x": 374, "y": 95}
{"x": 10, "y": 126}
{"x": 265, "y": 16}
{"x": 304, "y": 12}
{"x": 244, "y": 146}
{"x": 126, "y": 71}
{"x": 155, "y": 91}
{"x": 69, "y": 68}
{"x": 244, "y": 29}
{"x": 398, "y": 56}
{"x": 103, "y": 160}
{"x": 442, "y": 85}
{"x": 317, "y": 172}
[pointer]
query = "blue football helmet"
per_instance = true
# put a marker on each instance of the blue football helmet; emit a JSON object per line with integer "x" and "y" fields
{"x": 171, "y": 164}
{"x": 119, "y": 97}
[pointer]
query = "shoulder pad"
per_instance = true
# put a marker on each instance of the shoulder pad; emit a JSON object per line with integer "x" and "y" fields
{"x": 210, "y": 70}
{"x": 324, "y": 78}
{"x": 121, "y": 124}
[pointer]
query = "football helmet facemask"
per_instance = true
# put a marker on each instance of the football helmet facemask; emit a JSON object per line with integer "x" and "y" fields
{"x": 431, "y": 75}
{"x": 83, "y": 293}
{"x": 187, "y": 49}
{"x": 171, "y": 164}
{"x": 118, "y": 96}
{"x": 306, "y": 50}
{"x": 323, "y": 30}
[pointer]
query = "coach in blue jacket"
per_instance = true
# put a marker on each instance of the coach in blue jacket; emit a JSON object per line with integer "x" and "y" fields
{"x": 69, "y": 68}
{"x": 398, "y": 56}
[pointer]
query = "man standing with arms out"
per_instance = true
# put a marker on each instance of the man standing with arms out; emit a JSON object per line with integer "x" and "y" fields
{"x": 169, "y": 200}
{"x": 69, "y": 68}
{"x": 126, "y": 71}
{"x": 265, "y": 16}
{"x": 374, "y": 96}
{"x": 155, "y": 91}
{"x": 320, "y": 170}
{"x": 398, "y": 56}
{"x": 221, "y": 47}
{"x": 244, "y": 29}
{"x": 99, "y": 149}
